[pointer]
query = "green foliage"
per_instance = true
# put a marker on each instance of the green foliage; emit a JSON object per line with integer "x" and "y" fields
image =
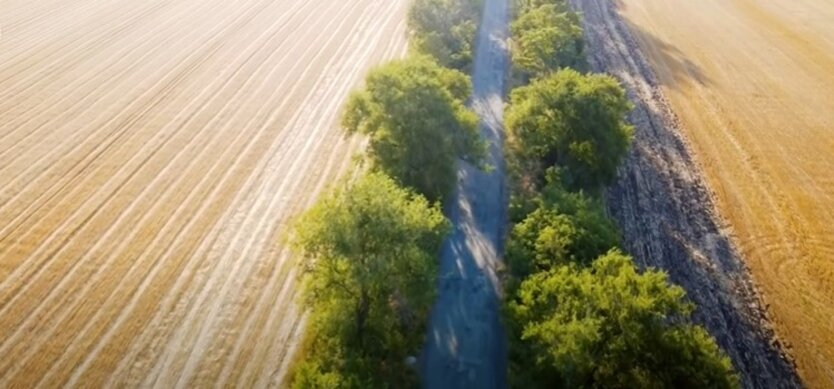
{"x": 578, "y": 316}
{"x": 564, "y": 227}
{"x": 522, "y": 6}
{"x": 608, "y": 326}
{"x": 546, "y": 39}
{"x": 414, "y": 112}
{"x": 445, "y": 30}
{"x": 572, "y": 121}
{"x": 369, "y": 280}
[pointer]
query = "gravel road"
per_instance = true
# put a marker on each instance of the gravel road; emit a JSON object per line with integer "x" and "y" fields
{"x": 466, "y": 343}
{"x": 667, "y": 216}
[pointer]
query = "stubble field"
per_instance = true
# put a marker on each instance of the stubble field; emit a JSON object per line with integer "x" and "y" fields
{"x": 151, "y": 156}
{"x": 753, "y": 84}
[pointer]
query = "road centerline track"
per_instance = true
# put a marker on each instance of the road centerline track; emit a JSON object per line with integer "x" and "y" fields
{"x": 466, "y": 344}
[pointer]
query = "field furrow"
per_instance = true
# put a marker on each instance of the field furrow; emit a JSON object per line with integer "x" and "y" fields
{"x": 152, "y": 155}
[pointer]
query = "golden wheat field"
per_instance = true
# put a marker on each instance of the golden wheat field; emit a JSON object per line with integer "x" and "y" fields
{"x": 151, "y": 155}
{"x": 753, "y": 83}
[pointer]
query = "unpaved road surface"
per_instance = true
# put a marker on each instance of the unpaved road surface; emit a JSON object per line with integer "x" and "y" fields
{"x": 465, "y": 345}
{"x": 753, "y": 84}
{"x": 151, "y": 154}
{"x": 667, "y": 214}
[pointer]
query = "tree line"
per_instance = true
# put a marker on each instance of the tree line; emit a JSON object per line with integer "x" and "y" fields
{"x": 578, "y": 312}
{"x": 370, "y": 244}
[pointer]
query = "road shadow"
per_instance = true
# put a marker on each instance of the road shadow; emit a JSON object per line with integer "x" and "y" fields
{"x": 465, "y": 345}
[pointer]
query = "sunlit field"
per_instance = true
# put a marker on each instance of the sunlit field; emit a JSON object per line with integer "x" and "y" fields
{"x": 753, "y": 83}
{"x": 151, "y": 156}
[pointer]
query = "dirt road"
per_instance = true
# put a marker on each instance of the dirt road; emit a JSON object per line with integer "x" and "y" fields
{"x": 753, "y": 84}
{"x": 151, "y": 154}
{"x": 667, "y": 215}
{"x": 465, "y": 345}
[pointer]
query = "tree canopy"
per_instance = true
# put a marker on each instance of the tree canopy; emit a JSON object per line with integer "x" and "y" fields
{"x": 608, "y": 326}
{"x": 418, "y": 124}
{"x": 546, "y": 39}
{"x": 571, "y": 121}
{"x": 562, "y": 228}
{"x": 522, "y": 6}
{"x": 369, "y": 278}
{"x": 445, "y": 30}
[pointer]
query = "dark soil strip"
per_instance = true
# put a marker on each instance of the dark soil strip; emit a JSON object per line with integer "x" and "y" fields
{"x": 667, "y": 215}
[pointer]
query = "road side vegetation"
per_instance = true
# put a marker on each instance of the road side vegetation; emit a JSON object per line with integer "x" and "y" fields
{"x": 370, "y": 246}
{"x": 571, "y": 121}
{"x": 369, "y": 280}
{"x": 557, "y": 227}
{"x": 413, "y": 111}
{"x": 546, "y": 36}
{"x": 445, "y": 30}
{"x": 608, "y": 326}
{"x": 578, "y": 311}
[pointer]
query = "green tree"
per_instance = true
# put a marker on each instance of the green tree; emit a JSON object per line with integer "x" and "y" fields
{"x": 413, "y": 110}
{"x": 522, "y": 6}
{"x": 563, "y": 227}
{"x": 445, "y": 30}
{"x": 369, "y": 278}
{"x": 546, "y": 39}
{"x": 608, "y": 326}
{"x": 571, "y": 121}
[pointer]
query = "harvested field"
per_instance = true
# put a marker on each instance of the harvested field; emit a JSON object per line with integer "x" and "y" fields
{"x": 753, "y": 84}
{"x": 151, "y": 155}
{"x": 668, "y": 215}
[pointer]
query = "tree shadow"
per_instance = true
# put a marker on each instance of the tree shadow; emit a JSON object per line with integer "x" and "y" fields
{"x": 664, "y": 207}
{"x": 671, "y": 67}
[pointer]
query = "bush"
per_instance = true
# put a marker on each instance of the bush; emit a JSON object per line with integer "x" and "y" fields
{"x": 608, "y": 326}
{"x": 445, "y": 30}
{"x": 414, "y": 112}
{"x": 572, "y": 121}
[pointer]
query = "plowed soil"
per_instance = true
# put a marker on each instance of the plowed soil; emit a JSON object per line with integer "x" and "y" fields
{"x": 753, "y": 84}
{"x": 151, "y": 155}
{"x": 668, "y": 216}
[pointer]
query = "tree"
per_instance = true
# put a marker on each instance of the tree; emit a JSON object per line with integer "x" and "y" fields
{"x": 522, "y": 6}
{"x": 445, "y": 30}
{"x": 545, "y": 39}
{"x": 571, "y": 121}
{"x": 413, "y": 110}
{"x": 563, "y": 228}
{"x": 369, "y": 279}
{"x": 608, "y": 326}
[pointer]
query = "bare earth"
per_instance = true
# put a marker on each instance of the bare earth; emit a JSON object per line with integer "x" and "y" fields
{"x": 151, "y": 154}
{"x": 667, "y": 214}
{"x": 465, "y": 345}
{"x": 753, "y": 84}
